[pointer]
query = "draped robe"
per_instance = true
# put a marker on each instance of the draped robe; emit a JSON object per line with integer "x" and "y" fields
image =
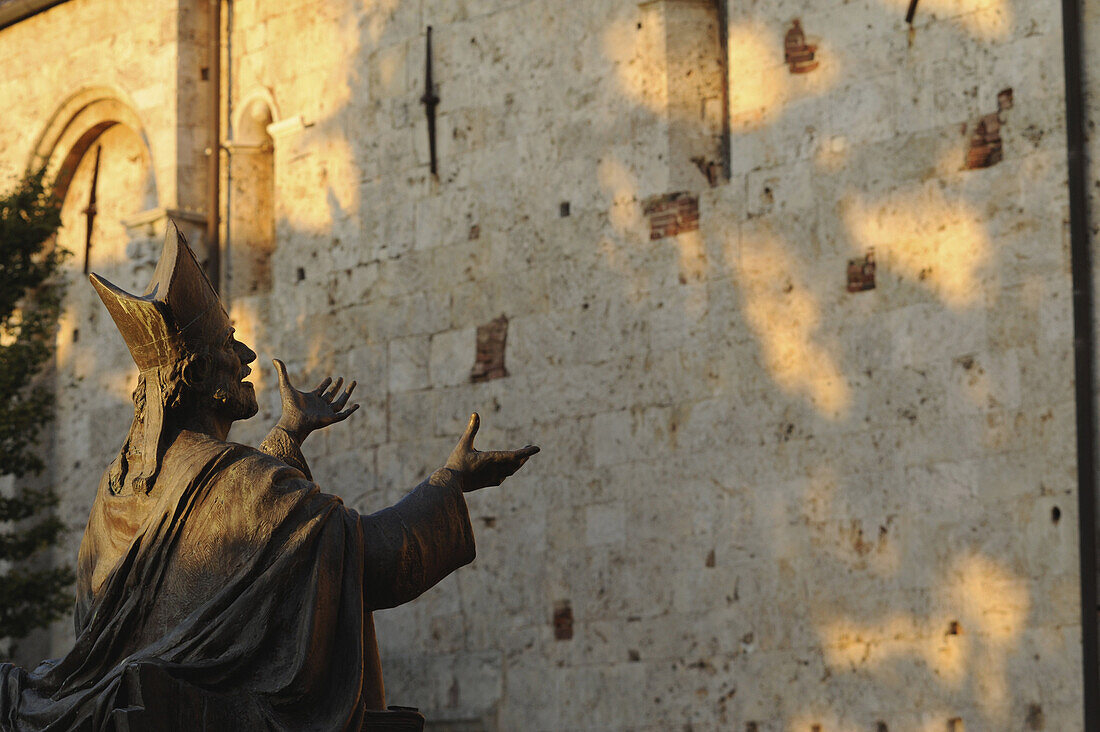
{"x": 236, "y": 595}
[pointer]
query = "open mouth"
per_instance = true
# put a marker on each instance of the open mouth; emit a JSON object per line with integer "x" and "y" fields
{"x": 245, "y": 371}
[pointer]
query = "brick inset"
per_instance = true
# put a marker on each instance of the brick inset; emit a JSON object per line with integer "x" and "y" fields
{"x": 799, "y": 55}
{"x": 861, "y": 273}
{"x": 489, "y": 363}
{"x": 563, "y": 620}
{"x": 671, "y": 214}
{"x": 985, "y": 144}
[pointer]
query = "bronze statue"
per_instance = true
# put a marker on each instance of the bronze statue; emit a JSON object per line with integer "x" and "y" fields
{"x": 218, "y": 587}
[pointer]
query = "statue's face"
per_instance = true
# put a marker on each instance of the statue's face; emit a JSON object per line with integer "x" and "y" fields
{"x": 233, "y": 395}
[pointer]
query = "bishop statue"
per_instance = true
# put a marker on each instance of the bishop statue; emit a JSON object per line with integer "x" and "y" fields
{"x": 218, "y": 586}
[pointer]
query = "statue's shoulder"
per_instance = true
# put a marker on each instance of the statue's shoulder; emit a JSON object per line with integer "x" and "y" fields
{"x": 199, "y": 450}
{"x": 234, "y": 463}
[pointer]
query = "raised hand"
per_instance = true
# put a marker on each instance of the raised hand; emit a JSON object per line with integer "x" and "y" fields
{"x": 481, "y": 469}
{"x": 306, "y": 411}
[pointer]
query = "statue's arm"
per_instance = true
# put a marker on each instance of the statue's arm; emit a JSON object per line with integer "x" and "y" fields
{"x": 281, "y": 444}
{"x": 412, "y": 545}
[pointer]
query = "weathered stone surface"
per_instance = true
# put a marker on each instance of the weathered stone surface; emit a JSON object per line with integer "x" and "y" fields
{"x": 866, "y": 468}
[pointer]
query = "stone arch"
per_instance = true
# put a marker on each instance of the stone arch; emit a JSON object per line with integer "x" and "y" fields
{"x": 76, "y": 124}
{"x": 92, "y": 371}
{"x": 255, "y": 113}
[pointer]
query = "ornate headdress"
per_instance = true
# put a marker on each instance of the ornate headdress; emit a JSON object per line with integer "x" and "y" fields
{"x": 179, "y": 314}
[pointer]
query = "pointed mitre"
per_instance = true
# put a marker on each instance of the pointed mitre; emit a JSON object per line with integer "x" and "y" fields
{"x": 179, "y": 313}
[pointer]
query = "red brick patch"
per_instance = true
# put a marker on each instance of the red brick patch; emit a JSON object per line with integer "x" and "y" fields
{"x": 489, "y": 363}
{"x": 563, "y": 620}
{"x": 861, "y": 273}
{"x": 985, "y": 144}
{"x": 799, "y": 55}
{"x": 671, "y": 214}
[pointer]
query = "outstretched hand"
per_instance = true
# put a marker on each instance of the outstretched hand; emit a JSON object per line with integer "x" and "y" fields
{"x": 481, "y": 469}
{"x": 306, "y": 411}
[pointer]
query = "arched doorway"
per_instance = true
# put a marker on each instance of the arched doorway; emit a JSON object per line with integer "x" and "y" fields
{"x": 96, "y": 150}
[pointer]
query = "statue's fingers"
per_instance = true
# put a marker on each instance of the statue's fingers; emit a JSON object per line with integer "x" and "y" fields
{"x": 329, "y": 395}
{"x": 339, "y": 403}
{"x": 340, "y": 416}
{"x": 520, "y": 458}
{"x": 507, "y": 462}
{"x": 511, "y": 456}
{"x": 280, "y": 372}
{"x": 323, "y": 385}
{"x": 471, "y": 431}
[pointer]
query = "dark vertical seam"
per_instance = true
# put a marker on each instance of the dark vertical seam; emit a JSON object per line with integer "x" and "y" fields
{"x": 724, "y": 44}
{"x": 1081, "y": 266}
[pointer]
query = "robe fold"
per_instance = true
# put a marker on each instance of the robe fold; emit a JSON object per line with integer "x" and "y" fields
{"x": 236, "y": 595}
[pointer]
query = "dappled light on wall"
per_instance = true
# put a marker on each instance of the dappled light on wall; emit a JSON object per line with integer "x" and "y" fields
{"x": 693, "y": 260}
{"x": 978, "y": 616}
{"x": 928, "y": 239}
{"x": 784, "y": 315}
{"x": 321, "y": 156}
{"x": 379, "y": 16}
{"x": 761, "y": 84}
{"x": 637, "y": 53}
{"x": 989, "y": 20}
{"x": 620, "y": 185}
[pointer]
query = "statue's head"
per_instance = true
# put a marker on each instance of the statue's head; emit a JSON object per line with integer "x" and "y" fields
{"x": 183, "y": 343}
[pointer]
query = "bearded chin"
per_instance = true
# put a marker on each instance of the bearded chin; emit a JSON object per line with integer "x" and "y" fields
{"x": 236, "y": 403}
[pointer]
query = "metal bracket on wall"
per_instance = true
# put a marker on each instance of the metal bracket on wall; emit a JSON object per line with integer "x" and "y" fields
{"x": 90, "y": 211}
{"x": 911, "y": 12}
{"x": 430, "y": 100}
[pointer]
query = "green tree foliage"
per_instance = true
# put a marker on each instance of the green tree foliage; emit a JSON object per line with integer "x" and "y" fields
{"x": 32, "y": 594}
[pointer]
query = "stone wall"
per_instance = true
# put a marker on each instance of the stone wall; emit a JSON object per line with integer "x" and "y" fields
{"x": 771, "y": 496}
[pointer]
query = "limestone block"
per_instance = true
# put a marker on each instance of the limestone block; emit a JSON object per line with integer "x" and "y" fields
{"x": 465, "y": 686}
{"x": 614, "y": 434}
{"x": 408, "y": 364}
{"x": 605, "y": 524}
{"x": 346, "y": 474}
{"x": 387, "y": 72}
{"x": 356, "y": 284}
{"x": 451, "y": 357}
{"x": 411, "y": 416}
{"x": 413, "y": 315}
{"x": 401, "y": 466}
{"x": 1050, "y": 528}
{"x": 407, "y": 621}
{"x": 981, "y": 382}
{"x": 499, "y": 588}
{"x": 928, "y": 332}
{"x": 526, "y": 678}
{"x": 444, "y": 219}
{"x": 405, "y": 275}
